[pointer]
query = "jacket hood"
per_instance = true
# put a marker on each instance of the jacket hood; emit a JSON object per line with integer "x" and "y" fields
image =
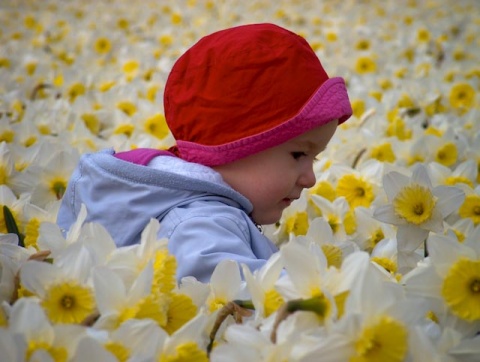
{"x": 123, "y": 196}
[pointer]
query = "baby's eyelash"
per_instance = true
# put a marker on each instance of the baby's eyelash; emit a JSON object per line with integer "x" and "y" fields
{"x": 297, "y": 155}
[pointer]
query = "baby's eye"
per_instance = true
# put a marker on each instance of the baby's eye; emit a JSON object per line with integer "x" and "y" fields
{"x": 297, "y": 155}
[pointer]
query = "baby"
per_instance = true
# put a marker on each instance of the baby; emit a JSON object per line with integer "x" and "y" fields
{"x": 250, "y": 108}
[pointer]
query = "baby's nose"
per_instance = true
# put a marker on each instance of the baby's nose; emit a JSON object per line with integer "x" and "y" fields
{"x": 307, "y": 179}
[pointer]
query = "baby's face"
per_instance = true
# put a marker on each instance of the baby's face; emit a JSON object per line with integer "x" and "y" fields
{"x": 273, "y": 178}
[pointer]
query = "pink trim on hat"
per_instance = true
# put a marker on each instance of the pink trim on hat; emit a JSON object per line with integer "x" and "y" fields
{"x": 329, "y": 102}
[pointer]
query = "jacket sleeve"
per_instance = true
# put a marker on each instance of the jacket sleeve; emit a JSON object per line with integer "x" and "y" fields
{"x": 200, "y": 242}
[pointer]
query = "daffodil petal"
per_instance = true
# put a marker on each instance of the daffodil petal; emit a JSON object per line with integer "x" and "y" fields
{"x": 409, "y": 237}
{"x": 386, "y": 213}
{"x": 28, "y": 318}
{"x": 35, "y": 276}
{"x": 393, "y": 182}
{"x": 110, "y": 292}
{"x": 449, "y": 199}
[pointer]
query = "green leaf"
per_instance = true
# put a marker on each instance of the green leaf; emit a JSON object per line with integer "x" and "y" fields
{"x": 11, "y": 224}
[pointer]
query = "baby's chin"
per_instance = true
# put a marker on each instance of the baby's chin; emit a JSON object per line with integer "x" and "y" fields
{"x": 267, "y": 219}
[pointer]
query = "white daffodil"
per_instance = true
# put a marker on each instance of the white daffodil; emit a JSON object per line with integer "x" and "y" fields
{"x": 226, "y": 285}
{"x": 446, "y": 345}
{"x": 134, "y": 340}
{"x": 186, "y": 344}
{"x": 51, "y": 236}
{"x": 465, "y": 173}
{"x": 261, "y": 286}
{"x": 117, "y": 301}
{"x": 447, "y": 150}
{"x": 361, "y": 186}
{"x": 34, "y": 334}
{"x": 12, "y": 257}
{"x": 321, "y": 234}
{"x": 295, "y": 221}
{"x": 7, "y": 170}
{"x": 462, "y": 229}
{"x": 334, "y": 213}
{"x": 369, "y": 231}
{"x": 416, "y": 207}
{"x": 247, "y": 342}
{"x": 52, "y": 177}
{"x": 64, "y": 288}
{"x": 130, "y": 261}
{"x": 34, "y": 217}
{"x": 384, "y": 256}
{"x": 451, "y": 277}
{"x": 375, "y": 326}
{"x": 470, "y": 208}
{"x": 308, "y": 276}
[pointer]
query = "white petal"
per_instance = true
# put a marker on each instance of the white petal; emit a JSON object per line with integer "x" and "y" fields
{"x": 75, "y": 261}
{"x": 420, "y": 176}
{"x": 110, "y": 291}
{"x": 8, "y": 347}
{"x": 386, "y": 213}
{"x": 28, "y": 318}
{"x": 300, "y": 266}
{"x": 449, "y": 199}
{"x": 143, "y": 336}
{"x": 36, "y": 276}
{"x": 50, "y": 238}
{"x": 226, "y": 279}
{"x": 148, "y": 239}
{"x": 393, "y": 182}
{"x": 409, "y": 237}
{"x": 142, "y": 286}
{"x": 192, "y": 331}
{"x": 91, "y": 350}
{"x": 444, "y": 251}
{"x": 74, "y": 232}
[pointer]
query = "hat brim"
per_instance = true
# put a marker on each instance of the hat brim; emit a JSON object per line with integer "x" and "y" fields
{"x": 329, "y": 102}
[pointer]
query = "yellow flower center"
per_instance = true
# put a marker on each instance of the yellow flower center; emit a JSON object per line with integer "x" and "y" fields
{"x": 68, "y": 302}
{"x": 91, "y": 122}
{"x": 383, "y": 153}
{"x": 365, "y": 65}
{"x": 164, "y": 271}
{"x": 453, "y": 180}
{"x": 75, "y": 90}
{"x": 157, "y": 126}
{"x": 118, "y": 350}
{"x": 126, "y": 129}
{"x": 186, "y": 352}
{"x": 471, "y": 208}
{"x": 386, "y": 263}
{"x": 415, "y": 204}
{"x": 58, "y": 354}
{"x": 333, "y": 254}
{"x": 447, "y": 154}
{"x": 356, "y": 190}
{"x": 58, "y": 185}
{"x": 462, "y": 97}
{"x": 127, "y": 107}
{"x": 102, "y": 45}
{"x": 385, "y": 340}
{"x": 461, "y": 289}
{"x": 297, "y": 224}
{"x": 180, "y": 311}
{"x": 273, "y": 301}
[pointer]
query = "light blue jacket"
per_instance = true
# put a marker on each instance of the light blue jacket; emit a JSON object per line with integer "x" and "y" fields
{"x": 204, "y": 219}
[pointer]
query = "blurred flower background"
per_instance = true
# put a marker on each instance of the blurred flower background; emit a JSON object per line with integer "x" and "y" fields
{"x": 382, "y": 255}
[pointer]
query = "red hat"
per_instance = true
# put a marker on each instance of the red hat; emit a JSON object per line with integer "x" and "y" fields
{"x": 245, "y": 89}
